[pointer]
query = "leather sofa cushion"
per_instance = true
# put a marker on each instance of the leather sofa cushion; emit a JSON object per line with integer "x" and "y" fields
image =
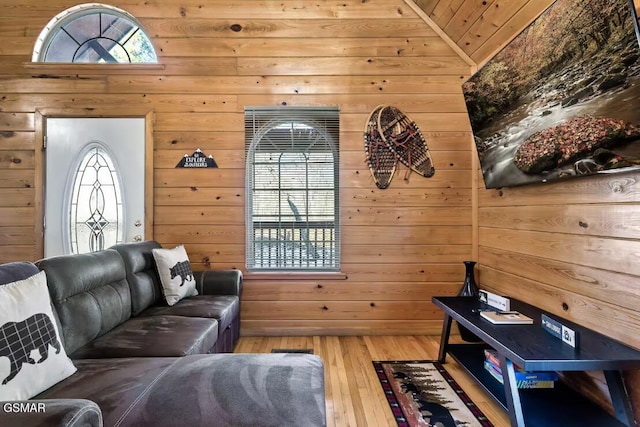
{"x": 90, "y": 294}
{"x": 154, "y": 336}
{"x": 114, "y": 384}
{"x": 278, "y": 390}
{"x": 223, "y": 308}
{"x": 141, "y": 274}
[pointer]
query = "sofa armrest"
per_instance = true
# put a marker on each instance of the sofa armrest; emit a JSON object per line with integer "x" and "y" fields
{"x": 50, "y": 412}
{"x": 219, "y": 282}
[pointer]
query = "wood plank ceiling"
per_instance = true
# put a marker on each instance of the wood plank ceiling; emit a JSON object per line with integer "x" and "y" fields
{"x": 481, "y": 27}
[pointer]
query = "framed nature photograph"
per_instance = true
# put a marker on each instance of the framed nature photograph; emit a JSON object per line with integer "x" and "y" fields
{"x": 562, "y": 99}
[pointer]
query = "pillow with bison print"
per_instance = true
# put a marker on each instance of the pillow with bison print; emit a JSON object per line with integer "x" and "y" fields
{"x": 32, "y": 357}
{"x": 175, "y": 273}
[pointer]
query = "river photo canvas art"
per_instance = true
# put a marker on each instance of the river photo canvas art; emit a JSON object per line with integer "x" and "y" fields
{"x": 562, "y": 99}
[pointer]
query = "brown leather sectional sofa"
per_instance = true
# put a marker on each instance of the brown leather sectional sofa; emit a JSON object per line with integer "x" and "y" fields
{"x": 141, "y": 362}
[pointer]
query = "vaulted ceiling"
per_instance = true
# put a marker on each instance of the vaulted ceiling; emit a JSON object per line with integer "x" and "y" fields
{"x": 481, "y": 27}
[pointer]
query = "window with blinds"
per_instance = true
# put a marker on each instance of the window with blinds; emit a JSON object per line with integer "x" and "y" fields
{"x": 292, "y": 189}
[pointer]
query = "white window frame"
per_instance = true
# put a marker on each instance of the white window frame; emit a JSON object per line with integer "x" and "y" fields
{"x": 292, "y": 214}
{"x": 57, "y": 23}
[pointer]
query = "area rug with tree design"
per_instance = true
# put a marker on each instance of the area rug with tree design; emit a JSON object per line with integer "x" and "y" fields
{"x": 423, "y": 393}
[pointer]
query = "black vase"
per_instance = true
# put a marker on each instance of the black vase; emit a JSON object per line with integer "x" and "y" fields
{"x": 469, "y": 289}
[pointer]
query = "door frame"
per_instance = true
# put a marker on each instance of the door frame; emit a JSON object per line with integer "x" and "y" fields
{"x": 40, "y": 164}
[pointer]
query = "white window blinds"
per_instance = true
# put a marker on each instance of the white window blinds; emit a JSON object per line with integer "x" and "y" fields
{"x": 292, "y": 188}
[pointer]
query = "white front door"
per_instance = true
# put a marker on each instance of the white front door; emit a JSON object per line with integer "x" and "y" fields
{"x": 94, "y": 183}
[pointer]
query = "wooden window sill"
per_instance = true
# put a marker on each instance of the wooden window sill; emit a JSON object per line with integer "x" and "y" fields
{"x": 295, "y": 276}
{"x": 90, "y": 68}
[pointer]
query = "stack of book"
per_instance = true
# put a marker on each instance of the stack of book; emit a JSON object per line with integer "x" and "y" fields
{"x": 524, "y": 379}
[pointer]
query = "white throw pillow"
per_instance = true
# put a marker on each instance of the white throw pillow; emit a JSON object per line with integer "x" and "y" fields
{"x": 175, "y": 273}
{"x": 32, "y": 357}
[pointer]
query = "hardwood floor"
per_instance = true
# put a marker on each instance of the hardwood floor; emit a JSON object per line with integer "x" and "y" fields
{"x": 353, "y": 394}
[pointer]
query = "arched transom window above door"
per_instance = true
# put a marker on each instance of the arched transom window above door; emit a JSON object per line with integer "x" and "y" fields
{"x": 94, "y": 33}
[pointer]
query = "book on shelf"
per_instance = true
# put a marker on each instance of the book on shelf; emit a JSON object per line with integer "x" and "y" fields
{"x": 506, "y": 317}
{"x": 526, "y": 375}
{"x": 519, "y": 383}
{"x": 492, "y": 356}
{"x": 491, "y": 359}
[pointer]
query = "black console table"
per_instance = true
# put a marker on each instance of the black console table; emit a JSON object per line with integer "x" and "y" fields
{"x": 533, "y": 349}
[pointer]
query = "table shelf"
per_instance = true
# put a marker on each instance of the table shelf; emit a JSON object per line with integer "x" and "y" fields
{"x": 530, "y": 347}
{"x": 559, "y": 406}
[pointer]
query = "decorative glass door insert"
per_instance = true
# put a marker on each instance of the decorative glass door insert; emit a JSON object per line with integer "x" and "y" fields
{"x": 95, "y": 212}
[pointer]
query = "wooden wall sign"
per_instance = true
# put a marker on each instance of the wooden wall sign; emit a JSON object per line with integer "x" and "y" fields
{"x": 197, "y": 160}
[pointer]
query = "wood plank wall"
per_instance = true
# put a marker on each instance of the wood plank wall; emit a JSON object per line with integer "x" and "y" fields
{"x": 567, "y": 247}
{"x": 400, "y": 246}
{"x": 481, "y": 28}
{"x": 570, "y": 248}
